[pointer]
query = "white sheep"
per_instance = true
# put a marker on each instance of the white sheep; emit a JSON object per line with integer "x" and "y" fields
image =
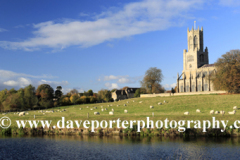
{"x": 125, "y": 111}
{"x": 112, "y": 109}
{"x": 91, "y": 109}
{"x": 80, "y": 108}
{"x": 96, "y": 113}
{"x": 216, "y": 112}
{"x": 233, "y": 112}
{"x": 101, "y": 106}
{"x": 117, "y": 105}
{"x": 212, "y": 112}
{"x": 127, "y": 102}
{"x": 151, "y": 107}
{"x": 21, "y": 113}
{"x": 102, "y": 109}
{"x": 159, "y": 103}
{"x": 111, "y": 113}
{"x": 124, "y": 105}
{"x": 133, "y": 101}
{"x": 140, "y": 102}
{"x": 186, "y": 113}
{"x": 198, "y": 111}
{"x": 164, "y": 101}
{"x": 235, "y": 108}
{"x": 105, "y": 108}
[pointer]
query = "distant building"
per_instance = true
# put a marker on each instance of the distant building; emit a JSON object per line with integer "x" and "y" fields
{"x": 196, "y": 72}
{"x": 124, "y": 94}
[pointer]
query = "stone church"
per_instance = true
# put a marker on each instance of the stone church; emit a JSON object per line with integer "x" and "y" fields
{"x": 197, "y": 71}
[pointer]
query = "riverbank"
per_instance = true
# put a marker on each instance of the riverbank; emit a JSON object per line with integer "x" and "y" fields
{"x": 123, "y": 132}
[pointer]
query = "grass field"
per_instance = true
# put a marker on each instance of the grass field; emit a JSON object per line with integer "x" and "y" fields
{"x": 173, "y": 109}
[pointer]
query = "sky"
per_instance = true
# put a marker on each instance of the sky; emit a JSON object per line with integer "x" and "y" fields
{"x": 106, "y": 44}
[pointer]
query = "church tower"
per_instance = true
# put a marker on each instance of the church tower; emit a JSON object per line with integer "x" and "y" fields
{"x": 196, "y": 56}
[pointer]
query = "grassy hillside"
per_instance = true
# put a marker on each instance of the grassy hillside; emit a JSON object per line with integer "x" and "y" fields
{"x": 173, "y": 109}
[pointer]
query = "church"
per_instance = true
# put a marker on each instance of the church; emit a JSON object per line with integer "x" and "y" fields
{"x": 197, "y": 71}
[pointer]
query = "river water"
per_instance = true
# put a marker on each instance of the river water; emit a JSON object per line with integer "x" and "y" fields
{"x": 116, "y": 147}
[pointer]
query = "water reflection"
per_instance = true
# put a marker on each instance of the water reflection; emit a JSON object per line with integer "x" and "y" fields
{"x": 116, "y": 147}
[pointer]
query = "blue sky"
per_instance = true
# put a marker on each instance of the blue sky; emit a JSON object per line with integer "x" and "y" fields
{"x": 105, "y": 44}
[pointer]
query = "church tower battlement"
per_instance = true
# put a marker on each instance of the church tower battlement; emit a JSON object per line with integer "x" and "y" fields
{"x": 196, "y": 56}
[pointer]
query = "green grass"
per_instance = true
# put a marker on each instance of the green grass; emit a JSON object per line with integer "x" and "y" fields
{"x": 173, "y": 109}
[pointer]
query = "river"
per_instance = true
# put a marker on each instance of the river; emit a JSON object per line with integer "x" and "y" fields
{"x": 116, "y": 147}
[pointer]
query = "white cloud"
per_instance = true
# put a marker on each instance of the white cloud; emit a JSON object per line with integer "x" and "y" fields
{"x": 2, "y": 30}
{"x": 124, "y": 80}
{"x": 229, "y": 3}
{"x": 111, "y": 85}
{"x": 54, "y": 83}
{"x": 10, "y": 74}
{"x": 169, "y": 86}
{"x": 132, "y": 19}
{"x": 21, "y": 82}
{"x": 111, "y": 77}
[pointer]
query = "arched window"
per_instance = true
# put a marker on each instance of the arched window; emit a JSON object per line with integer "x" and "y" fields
{"x": 201, "y": 58}
{"x": 190, "y": 42}
{"x": 195, "y": 42}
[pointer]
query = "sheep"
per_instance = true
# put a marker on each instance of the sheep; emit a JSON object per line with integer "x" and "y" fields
{"x": 105, "y": 108}
{"x": 94, "y": 107}
{"x": 164, "y": 101}
{"x": 96, "y": 113}
{"x": 151, "y": 107}
{"x": 102, "y": 109}
{"x": 101, "y": 106}
{"x": 112, "y": 109}
{"x": 133, "y": 101}
{"x": 87, "y": 106}
{"x": 127, "y": 102}
{"x": 222, "y": 112}
{"x": 80, "y": 108}
{"x": 140, "y": 102}
{"x": 198, "y": 111}
{"x": 117, "y": 105}
{"x": 21, "y": 113}
{"x": 216, "y": 112}
{"x": 233, "y": 112}
{"x": 124, "y": 105}
{"x": 111, "y": 113}
{"x": 212, "y": 112}
{"x": 235, "y": 108}
{"x": 125, "y": 111}
{"x": 159, "y": 103}
{"x": 108, "y": 105}
{"x": 91, "y": 109}
{"x": 186, "y": 113}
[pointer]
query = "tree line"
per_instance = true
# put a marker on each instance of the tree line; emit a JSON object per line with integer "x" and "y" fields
{"x": 45, "y": 97}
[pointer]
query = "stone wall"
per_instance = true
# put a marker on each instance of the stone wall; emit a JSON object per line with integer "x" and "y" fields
{"x": 180, "y": 94}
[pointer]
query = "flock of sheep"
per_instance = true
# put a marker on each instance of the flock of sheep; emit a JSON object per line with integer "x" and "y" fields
{"x": 111, "y": 112}
{"x": 105, "y": 109}
{"x": 216, "y": 112}
{"x": 41, "y": 111}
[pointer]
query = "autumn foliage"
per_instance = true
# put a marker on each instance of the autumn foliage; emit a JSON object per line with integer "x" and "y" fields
{"x": 227, "y": 76}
